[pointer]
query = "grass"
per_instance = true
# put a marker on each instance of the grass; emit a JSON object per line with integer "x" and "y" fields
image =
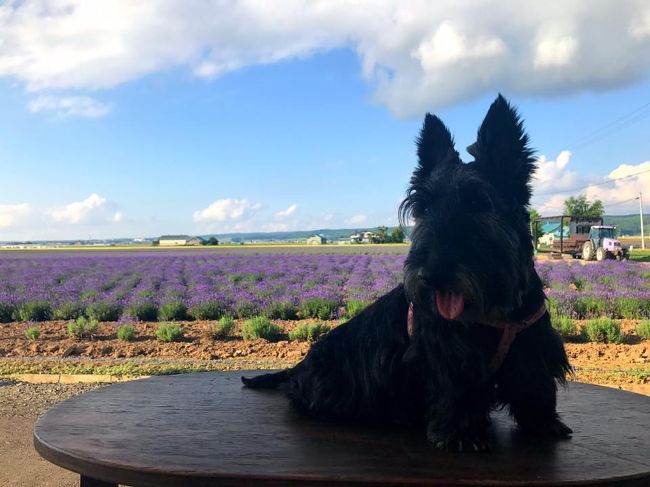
{"x": 355, "y": 306}
{"x": 129, "y": 369}
{"x": 126, "y": 333}
{"x": 169, "y": 332}
{"x": 643, "y": 329}
{"x": 308, "y": 332}
{"x": 602, "y": 330}
{"x": 221, "y": 329}
{"x": 172, "y": 311}
{"x": 83, "y": 327}
{"x": 261, "y": 327}
{"x": 640, "y": 255}
{"x": 565, "y": 327}
{"x": 33, "y": 333}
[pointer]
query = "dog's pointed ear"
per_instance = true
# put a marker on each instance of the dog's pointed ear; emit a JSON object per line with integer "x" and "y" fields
{"x": 502, "y": 153}
{"x": 435, "y": 146}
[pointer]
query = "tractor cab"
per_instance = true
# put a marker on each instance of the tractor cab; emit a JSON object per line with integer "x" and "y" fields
{"x": 603, "y": 244}
{"x": 598, "y": 234}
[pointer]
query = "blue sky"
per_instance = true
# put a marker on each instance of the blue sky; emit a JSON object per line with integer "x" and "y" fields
{"x": 294, "y": 140}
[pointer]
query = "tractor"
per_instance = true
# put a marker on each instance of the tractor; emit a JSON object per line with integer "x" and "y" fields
{"x": 603, "y": 244}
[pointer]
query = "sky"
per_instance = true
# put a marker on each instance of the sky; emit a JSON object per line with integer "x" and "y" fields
{"x": 136, "y": 119}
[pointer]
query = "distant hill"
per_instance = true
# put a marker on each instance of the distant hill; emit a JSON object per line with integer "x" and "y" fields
{"x": 629, "y": 224}
{"x": 332, "y": 234}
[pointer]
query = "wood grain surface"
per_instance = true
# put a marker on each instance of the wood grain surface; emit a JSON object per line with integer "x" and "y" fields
{"x": 205, "y": 429}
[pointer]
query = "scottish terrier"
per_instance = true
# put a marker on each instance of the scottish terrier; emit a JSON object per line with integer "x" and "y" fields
{"x": 468, "y": 329}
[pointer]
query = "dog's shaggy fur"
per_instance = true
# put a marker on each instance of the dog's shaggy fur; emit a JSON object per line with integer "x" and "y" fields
{"x": 470, "y": 268}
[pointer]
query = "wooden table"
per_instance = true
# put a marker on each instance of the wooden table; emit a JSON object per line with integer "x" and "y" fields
{"x": 205, "y": 429}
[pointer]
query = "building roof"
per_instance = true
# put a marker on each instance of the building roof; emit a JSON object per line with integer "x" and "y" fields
{"x": 175, "y": 237}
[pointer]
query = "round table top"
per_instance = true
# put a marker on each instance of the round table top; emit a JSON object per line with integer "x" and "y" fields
{"x": 205, "y": 429}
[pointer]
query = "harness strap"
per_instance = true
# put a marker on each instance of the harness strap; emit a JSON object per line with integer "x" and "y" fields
{"x": 509, "y": 331}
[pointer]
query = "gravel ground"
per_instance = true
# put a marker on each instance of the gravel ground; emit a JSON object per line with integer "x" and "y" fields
{"x": 20, "y": 405}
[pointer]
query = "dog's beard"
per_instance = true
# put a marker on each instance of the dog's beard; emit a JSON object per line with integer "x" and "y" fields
{"x": 459, "y": 301}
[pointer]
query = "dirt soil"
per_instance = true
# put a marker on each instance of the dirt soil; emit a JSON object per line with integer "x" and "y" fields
{"x": 20, "y": 406}
{"x": 624, "y": 365}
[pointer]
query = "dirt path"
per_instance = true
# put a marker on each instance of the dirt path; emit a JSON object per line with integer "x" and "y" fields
{"x": 20, "y": 406}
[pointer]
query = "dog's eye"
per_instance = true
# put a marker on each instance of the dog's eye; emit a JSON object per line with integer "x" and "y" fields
{"x": 478, "y": 202}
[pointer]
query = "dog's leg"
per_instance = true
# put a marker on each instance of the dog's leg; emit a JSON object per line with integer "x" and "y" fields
{"x": 458, "y": 420}
{"x": 458, "y": 393}
{"x": 528, "y": 381}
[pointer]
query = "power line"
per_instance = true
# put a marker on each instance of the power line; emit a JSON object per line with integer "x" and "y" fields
{"x": 620, "y": 202}
{"x": 614, "y": 126}
{"x": 573, "y": 190}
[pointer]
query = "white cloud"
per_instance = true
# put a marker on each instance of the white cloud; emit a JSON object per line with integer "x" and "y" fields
{"x": 554, "y": 182}
{"x": 69, "y": 106}
{"x": 448, "y": 46}
{"x": 12, "y": 215}
{"x": 554, "y": 175}
{"x": 357, "y": 219}
{"x": 553, "y": 52}
{"x": 93, "y": 210}
{"x": 624, "y": 190}
{"x": 288, "y": 212}
{"x": 416, "y": 55}
{"x": 227, "y": 210}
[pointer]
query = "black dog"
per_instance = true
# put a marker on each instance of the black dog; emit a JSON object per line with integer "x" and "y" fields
{"x": 468, "y": 330}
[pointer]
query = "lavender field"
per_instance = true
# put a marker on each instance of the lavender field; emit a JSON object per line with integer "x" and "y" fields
{"x": 281, "y": 283}
{"x": 178, "y": 285}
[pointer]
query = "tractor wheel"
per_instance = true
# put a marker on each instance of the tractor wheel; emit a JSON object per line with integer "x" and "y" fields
{"x": 587, "y": 251}
{"x": 600, "y": 254}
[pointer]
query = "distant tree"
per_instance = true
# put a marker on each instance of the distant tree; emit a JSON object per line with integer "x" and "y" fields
{"x": 211, "y": 241}
{"x": 396, "y": 235}
{"x": 534, "y": 219}
{"x": 380, "y": 235}
{"x": 155, "y": 242}
{"x": 580, "y": 206}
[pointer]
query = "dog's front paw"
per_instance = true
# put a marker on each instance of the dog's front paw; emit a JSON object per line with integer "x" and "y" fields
{"x": 457, "y": 443}
{"x": 554, "y": 428}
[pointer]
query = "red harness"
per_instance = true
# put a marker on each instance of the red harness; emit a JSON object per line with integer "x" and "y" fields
{"x": 509, "y": 331}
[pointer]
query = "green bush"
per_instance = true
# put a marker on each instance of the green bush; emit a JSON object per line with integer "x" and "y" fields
{"x": 33, "y": 333}
{"x": 603, "y": 330}
{"x": 87, "y": 295}
{"x": 631, "y": 308}
{"x": 321, "y": 308}
{"x": 589, "y": 307}
{"x": 355, "y": 306}
{"x": 281, "y": 310}
{"x": 172, "y": 311}
{"x": 169, "y": 332}
{"x": 83, "y": 327}
{"x": 67, "y": 311}
{"x": 246, "y": 309}
{"x": 221, "y": 329}
{"x": 7, "y": 311}
{"x": 308, "y": 332}
{"x": 144, "y": 310}
{"x": 643, "y": 329}
{"x": 126, "y": 333}
{"x": 261, "y": 327}
{"x": 207, "y": 310}
{"x": 104, "y": 311}
{"x": 565, "y": 326}
{"x": 34, "y": 311}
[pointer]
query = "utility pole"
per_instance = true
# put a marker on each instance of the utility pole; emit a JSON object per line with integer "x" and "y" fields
{"x": 641, "y": 216}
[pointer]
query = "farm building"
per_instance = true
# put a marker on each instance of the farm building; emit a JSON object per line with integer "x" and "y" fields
{"x": 362, "y": 237}
{"x": 175, "y": 240}
{"x": 316, "y": 240}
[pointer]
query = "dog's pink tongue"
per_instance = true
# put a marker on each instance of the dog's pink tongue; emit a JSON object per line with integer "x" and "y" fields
{"x": 450, "y": 305}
